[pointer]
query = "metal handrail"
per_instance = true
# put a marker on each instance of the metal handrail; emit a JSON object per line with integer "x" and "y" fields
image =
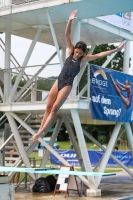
{"x": 30, "y": 66}
{"x": 13, "y": 58}
{"x": 4, "y": 144}
{"x": 17, "y": 2}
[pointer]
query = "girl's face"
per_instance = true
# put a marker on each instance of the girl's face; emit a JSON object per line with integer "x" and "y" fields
{"x": 78, "y": 53}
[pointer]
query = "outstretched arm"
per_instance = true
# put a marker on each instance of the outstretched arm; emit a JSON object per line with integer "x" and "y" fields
{"x": 120, "y": 83}
{"x": 122, "y": 86}
{"x": 68, "y": 32}
{"x": 102, "y": 54}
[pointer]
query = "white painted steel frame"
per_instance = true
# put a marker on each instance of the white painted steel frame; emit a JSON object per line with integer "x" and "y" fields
{"x": 75, "y": 39}
{"x": 51, "y": 143}
{"x": 35, "y": 76}
{"x": 14, "y": 88}
{"x": 28, "y": 128}
{"x": 7, "y": 74}
{"x": 74, "y": 142}
{"x": 104, "y": 149}
{"x": 82, "y": 144}
{"x": 54, "y": 37}
{"x": 126, "y": 70}
{"x": 19, "y": 142}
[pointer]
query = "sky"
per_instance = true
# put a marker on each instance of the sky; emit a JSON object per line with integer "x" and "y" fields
{"x": 20, "y": 46}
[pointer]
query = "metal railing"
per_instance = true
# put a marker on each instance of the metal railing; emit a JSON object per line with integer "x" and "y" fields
{"x": 7, "y": 3}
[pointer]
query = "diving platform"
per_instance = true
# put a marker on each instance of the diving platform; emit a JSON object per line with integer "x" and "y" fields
{"x": 22, "y": 18}
{"x": 82, "y": 106}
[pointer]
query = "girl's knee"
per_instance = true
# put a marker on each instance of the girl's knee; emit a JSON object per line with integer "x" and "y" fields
{"x": 48, "y": 108}
{"x": 54, "y": 110}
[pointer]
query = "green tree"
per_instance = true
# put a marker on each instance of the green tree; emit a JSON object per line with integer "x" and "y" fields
{"x": 44, "y": 84}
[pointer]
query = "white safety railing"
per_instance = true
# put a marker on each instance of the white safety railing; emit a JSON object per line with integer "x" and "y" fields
{"x": 5, "y": 3}
{"x": 17, "y": 2}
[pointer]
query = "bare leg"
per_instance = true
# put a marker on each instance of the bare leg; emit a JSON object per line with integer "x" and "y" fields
{"x": 115, "y": 86}
{"x": 13, "y": 178}
{"x": 117, "y": 89}
{"x": 62, "y": 96}
{"x": 17, "y": 177}
{"x": 51, "y": 99}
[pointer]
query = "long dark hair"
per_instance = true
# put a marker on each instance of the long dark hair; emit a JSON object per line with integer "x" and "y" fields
{"x": 81, "y": 45}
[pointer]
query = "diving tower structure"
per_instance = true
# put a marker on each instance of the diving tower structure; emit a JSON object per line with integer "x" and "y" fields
{"x": 45, "y": 21}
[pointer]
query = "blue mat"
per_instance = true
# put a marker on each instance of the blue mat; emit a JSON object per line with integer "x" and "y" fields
{"x": 52, "y": 171}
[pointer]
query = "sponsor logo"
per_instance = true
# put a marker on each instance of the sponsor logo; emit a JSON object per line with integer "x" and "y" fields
{"x": 68, "y": 155}
{"x": 126, "y": 18}
{"x": 99, "y": 71}
{"x": 96, "y": 78}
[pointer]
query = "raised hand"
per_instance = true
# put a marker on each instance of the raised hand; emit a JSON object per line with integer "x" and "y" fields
{"x": 73, "y": 15}
{"x": 120, "y": 47}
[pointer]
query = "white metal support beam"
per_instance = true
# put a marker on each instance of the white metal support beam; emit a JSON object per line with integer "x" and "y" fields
{"x": 7, "y": 73}
{"x": 2, "y": 95}
{"x": 126, "y": 57}
{"x": 108, "y": 151}
{"x": 31, "y": 80}
{"x": 52, "y": 139}
{"x": 63, "y": 54}
{"x": 126, "y": 70}
{"x": 14, "y": 88}
{"x": 39, "y": 139}
{"x": 82, "y": 69}
{"x": 82, "y": 91}
{"x": 75, "y": 39}
{"x": 19, "y": 142}
{"x": 82, "y": 144}
{"x": 12, "y": 56}
{"x": 47, "y": 146}
{"x": 84, "y": 64}
{"x": 74, "y": 142}
{"x": 109, "y": 58}
{"x": 54, "y": 37}
{"x": 104, "y": 149}
{"x": 88, "y": 78}
{"x": 129, "y": 136}
{"x": 28, "y": 151}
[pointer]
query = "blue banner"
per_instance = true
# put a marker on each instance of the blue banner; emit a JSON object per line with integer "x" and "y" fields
{"x": 111, "y": 95}
{"x": 95, "y": 156}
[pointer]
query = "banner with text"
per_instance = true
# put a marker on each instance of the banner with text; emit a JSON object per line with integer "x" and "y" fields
{"x": 111, "y": 95}
{"x": 70, "y": 156}
{"x": 122, "y": 20}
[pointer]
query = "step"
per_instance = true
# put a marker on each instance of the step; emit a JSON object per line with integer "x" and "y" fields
{"x": 9, "y": 147}
{"x": 34, "y": 126}
{"x": 26, "y": 136}
{"x": 34, "y": 121}
{"x": 11, "y": 153}
{"x": 23, "y": 131}
{"x": 11, "y": 159}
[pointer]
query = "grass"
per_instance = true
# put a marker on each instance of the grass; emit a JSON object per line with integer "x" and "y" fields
{"x": 66, "y": 145}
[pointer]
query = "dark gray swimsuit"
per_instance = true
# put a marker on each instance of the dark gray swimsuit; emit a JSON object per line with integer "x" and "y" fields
{"x": 70, "y": 70}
